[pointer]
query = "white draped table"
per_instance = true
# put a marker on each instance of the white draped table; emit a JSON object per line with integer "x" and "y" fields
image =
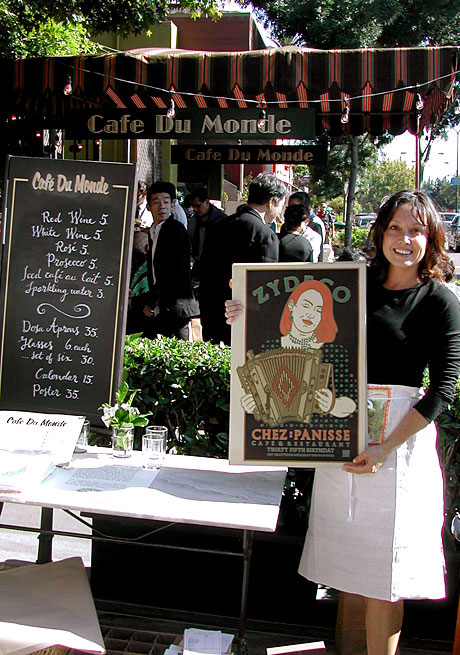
{"x": 195, "y": 490}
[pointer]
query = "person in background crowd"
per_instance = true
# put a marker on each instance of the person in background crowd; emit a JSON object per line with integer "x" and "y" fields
{"x": 252, "y": 239}
{"x": 294, "y": 247}
{"x": 138, "y": 282}
{"x": 188, "y": 209}
{"x": 138, "y": 275}
{"x": 248, "y": 237}
{"x": 328, "y": 219}
{"x": 170, "y": 303}
{"x": 311, "y": 230}
{"x": 177, "y": 211}
{"x": 143, "y": 216}
{"x": 316, "y": 224}
{"x": 205, "y": 232}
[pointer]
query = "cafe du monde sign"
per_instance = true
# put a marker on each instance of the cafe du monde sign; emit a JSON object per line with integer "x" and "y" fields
{"x": 196, "y": 124}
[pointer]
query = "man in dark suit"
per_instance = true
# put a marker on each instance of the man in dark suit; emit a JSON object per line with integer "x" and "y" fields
{"x": 205, "y": 229}
{"x": 248, "y": 237}
{"x": 252, "y": 240}
{"x": 170, "y": 303}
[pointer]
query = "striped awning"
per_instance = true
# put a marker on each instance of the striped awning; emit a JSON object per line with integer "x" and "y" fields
{"x": 381, "y": 87}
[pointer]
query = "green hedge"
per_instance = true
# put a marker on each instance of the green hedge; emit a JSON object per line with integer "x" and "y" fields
{"x": 186, "y": 386}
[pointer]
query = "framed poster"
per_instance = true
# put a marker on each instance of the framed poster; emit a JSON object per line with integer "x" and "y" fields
{"x": 298, "y": 372}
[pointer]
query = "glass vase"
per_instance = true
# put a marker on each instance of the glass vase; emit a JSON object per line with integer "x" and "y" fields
{"x": 122, "y": 442}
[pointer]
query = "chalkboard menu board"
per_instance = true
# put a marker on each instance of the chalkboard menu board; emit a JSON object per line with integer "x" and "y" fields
{"x": 67, "y": 233}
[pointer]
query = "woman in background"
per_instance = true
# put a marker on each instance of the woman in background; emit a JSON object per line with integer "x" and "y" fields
{"x": 294, "y": 246}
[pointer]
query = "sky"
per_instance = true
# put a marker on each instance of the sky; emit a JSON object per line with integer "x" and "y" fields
{"x": 443, "y": 157}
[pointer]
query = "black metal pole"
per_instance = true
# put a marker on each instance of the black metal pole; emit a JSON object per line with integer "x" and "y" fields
{"x": 248, "y": 538}
{"x": 45, "y": 541}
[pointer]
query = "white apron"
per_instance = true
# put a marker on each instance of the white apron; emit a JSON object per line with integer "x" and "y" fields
{"x": 379, "y": 535}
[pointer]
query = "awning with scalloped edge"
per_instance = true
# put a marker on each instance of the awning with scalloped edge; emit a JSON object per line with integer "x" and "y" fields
{"x": 383, "y": 88}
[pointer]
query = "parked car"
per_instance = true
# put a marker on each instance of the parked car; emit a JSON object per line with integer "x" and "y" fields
{"x": 447, "y": 218}
{"x": 451, "y": 222}
{"x": 365, "y": 220}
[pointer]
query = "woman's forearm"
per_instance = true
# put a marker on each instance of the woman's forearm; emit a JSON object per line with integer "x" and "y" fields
{"x": 411, "y": 423}
{"x": 371, "y": 459}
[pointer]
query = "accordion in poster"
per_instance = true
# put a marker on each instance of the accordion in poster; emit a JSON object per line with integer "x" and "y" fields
{"x": 298, "y": 386}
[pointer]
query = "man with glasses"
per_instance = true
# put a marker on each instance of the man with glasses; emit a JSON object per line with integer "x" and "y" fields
{"x": 205, "y": 230}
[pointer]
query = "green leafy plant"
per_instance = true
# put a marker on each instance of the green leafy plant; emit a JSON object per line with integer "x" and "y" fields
{"x": 359, "y": 237}
{"x": 186, "y": 387}
{"x": 123, "y": 414}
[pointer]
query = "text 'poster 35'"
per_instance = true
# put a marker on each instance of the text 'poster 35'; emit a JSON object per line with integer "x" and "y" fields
{"x": 298, "y": 385}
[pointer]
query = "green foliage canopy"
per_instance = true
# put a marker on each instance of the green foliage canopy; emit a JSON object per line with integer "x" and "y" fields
{"x": 385, "y": 178}
{"x": 443, "y": 193}
{"x": 37, "y": 28}
{"x": 330, "y": 24}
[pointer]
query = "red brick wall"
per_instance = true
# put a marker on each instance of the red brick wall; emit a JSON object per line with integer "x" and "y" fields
{"x": 232, "y": 32}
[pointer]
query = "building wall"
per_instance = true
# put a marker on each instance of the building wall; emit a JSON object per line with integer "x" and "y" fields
{"x": 234, "y": 31}
{"x": 149, "y": 158}
{"x": 160, "y": 36}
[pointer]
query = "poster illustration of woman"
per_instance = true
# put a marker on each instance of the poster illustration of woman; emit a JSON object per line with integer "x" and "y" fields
{"x": 298, "y": 385}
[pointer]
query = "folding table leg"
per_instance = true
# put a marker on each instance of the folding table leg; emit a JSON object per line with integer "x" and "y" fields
{"x": 248, "y": 538}
{"x": 45, "y": 541}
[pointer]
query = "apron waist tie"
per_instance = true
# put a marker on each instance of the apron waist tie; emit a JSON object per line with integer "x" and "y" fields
{"x": 351, "y": 497}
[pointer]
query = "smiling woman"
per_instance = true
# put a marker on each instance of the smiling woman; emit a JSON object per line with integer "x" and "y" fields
{"x": 368, "y": 521}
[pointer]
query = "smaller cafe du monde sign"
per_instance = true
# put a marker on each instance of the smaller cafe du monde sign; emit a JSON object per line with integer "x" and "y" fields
{"x": 196, "y": 124}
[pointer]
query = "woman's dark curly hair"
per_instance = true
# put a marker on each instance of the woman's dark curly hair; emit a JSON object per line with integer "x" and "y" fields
{"x": 435, "y": 262}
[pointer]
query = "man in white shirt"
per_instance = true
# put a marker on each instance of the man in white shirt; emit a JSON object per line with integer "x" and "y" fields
{"x": 170, "y": 303}
{"x": 176, "y": 210}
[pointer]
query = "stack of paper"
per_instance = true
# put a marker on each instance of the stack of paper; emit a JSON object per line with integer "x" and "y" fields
{"x": 202, "y": 642}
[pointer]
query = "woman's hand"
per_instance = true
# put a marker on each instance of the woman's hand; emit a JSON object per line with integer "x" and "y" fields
{"x": 248, "y": 403}
{"x": 233, "y": 308}
{"x": 148, "y": 311}
{"x": 369, "y": 461}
